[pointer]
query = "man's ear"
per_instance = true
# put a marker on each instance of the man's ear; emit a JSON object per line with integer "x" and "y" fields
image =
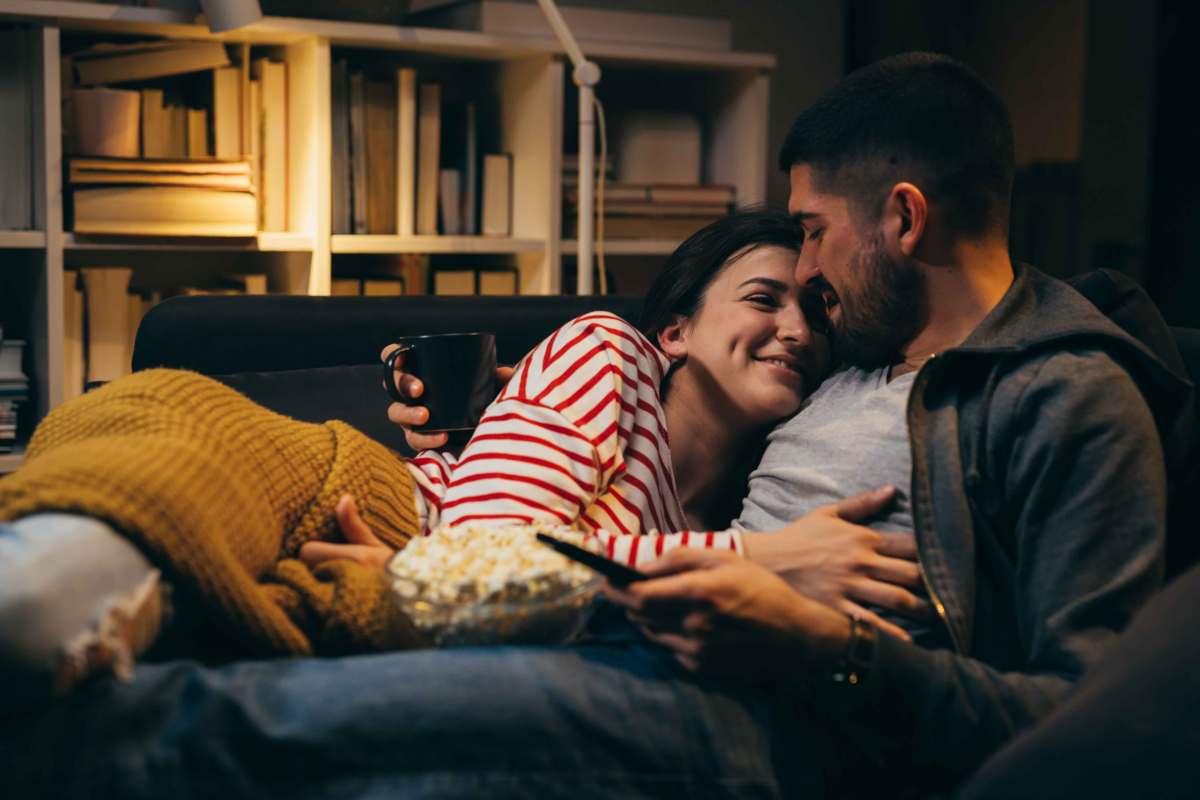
{"x": 905, "y": 215}
{"x": 672, "y": 338}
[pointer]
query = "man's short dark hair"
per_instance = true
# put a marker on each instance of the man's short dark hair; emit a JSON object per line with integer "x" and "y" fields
{"x": 919, "y": 117}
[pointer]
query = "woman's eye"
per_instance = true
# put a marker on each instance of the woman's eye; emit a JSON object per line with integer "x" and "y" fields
{"x": 762, "y": 300}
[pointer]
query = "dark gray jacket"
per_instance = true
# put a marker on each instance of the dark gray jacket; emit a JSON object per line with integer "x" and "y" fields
{"x": 1039, "y": 502}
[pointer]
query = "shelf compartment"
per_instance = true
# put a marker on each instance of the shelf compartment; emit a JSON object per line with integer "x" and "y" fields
{"x": 365, "y": 243}
{"x": 10, "y": 462}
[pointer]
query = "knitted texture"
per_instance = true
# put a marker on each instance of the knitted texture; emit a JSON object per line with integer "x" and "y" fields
{"x": 220, "y": 493}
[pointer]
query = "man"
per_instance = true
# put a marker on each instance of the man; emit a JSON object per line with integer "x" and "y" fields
{"x": 1036, "y": 501}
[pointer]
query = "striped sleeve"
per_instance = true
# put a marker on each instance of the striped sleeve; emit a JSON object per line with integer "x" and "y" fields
{"x": 634, "y": 550}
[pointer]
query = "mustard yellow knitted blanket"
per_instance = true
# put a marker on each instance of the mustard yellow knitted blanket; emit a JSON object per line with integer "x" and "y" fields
{"x": 220, "y": 493}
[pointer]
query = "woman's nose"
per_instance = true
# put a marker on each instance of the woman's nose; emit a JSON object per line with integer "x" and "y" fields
{"x": 793, "y": 325}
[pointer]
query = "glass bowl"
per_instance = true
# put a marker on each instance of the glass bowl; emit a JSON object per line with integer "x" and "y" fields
{"x": 554, "y": 617}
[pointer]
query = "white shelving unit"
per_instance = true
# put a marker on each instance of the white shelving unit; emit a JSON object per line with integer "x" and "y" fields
{"x": 535, "y": 114}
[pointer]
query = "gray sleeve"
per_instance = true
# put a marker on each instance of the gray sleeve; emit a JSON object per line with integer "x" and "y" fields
{"x": 1080, "y": 465}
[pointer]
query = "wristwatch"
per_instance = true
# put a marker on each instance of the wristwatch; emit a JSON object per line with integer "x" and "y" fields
{"x": 856, "y": 663}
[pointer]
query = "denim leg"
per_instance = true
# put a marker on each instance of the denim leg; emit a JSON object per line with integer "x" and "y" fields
{"x": 62, "y": 578}
{"x": 608, "y": 718}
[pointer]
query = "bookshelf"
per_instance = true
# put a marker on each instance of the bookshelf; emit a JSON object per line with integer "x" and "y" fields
{"x": 9, "y": 462}
{"x": 533, "y": 120}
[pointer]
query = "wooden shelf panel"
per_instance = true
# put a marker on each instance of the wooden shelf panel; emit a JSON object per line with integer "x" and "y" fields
{"x": 284, "y": 30}
{"x": 22, "y": 239}
{"x": 10, "y": 462}
{"x": 343, "y": 243}
{"x": 263, "y": 243}
{"x": 629, "y": 247}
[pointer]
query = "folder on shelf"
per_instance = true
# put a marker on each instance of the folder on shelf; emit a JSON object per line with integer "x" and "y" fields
{"x": 108, "y": 349}
{"x": 227, "y": 112}
{"x": 450, "y": 201}
{"x": 383, "y": 287}
{"x": 154, "y": 124}
{"x": 345, "y": 287}
{"x": 358, "y": 151}
{"x": 497, "y": 195}
{"x": 73, "y": 373}
{"x": 429, "y": 123}
{"x": 381, "y": 156}
{"x": 498, "y": 281}
{"x": 272, "y": 78}
{"x": 406, "y": 151}
{"x": 339, "y": 112}
{"x": 197, "y": 133}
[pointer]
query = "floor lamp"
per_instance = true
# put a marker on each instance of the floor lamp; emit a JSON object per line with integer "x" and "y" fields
{"x": 586, "y": 75}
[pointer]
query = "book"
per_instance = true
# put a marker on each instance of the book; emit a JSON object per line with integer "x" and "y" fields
{"x": 108, "y": 63}
{"x": 450, "y": 201}
{"x": 254, "y": 139}
{"x": 197, "y": 133}
{"x": 16, "y": 133}
{"x": 650, "y": 193}
{"x": 251, "y": 284}
{"x": 498, "y": 282}
{"x": 664, "y": 209}
{"x": 381, "y": 156}
{"x": 135, "y": 174}
{"x": 177, "y": 132}
{"x": 497, "y": 195}
{"x": 73, "y": 373}
{"x": 212, "y": 166}
{"x": 659, "y": 147}
{"x": 339, "y": 116}
{"x": 164, "y": 211}
{"x": 272, "y": 78}
{"x": 406, "y": 151}
{"x": 155, "y": 128}
{"x": 227, "y": 112}
{"x": 383, "y": 287}
{"x": 470, "y": 178}
{"x": 429, "y": 125}
{"x": 358, "y": 151}
{"x": 108, "y": 349}
{"x": 454, "y": 281}
{"x": 10, "y": 360}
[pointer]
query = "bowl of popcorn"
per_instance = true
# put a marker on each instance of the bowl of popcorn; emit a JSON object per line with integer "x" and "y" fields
{"x": 474, "y": 585}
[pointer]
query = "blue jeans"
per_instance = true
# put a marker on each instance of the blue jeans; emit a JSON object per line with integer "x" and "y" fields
{"x": 609, "y": 717}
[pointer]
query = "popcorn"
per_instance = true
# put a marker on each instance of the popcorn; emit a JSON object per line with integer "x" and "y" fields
{"x": 473, "y": 584}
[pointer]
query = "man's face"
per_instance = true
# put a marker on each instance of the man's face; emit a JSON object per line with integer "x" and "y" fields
{"x": 871, "y": 297}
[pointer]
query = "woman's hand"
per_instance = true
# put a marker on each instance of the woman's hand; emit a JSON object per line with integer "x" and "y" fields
{"x": 361, "y": 545}
{"x": 826, "y": 556}
{"x": 407, "y": 416}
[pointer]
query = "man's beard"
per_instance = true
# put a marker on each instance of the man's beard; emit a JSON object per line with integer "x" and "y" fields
{"x": 882, "y": 314}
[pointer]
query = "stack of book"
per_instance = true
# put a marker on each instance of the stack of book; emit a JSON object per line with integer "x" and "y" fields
{"x": 406, "y": 163}
{"x": 14, "y": 390}
{"x": 163, "y": 197}
{"x": 652, "y": 211}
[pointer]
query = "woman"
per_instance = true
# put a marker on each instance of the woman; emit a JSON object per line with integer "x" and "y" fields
{"x": 644, "y": 437}
{"x": 222, "y": 495}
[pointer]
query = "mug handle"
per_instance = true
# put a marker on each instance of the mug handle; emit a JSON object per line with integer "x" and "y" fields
{"x": 389, "y": 369}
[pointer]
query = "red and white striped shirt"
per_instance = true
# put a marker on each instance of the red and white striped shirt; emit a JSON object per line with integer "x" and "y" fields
{"x": 577, "y": 436}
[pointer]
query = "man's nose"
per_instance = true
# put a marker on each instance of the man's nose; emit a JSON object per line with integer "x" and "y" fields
{"x": 806, "y": 268}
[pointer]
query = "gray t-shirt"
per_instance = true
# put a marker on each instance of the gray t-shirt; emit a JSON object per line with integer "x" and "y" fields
{"x": 850, "y": 436}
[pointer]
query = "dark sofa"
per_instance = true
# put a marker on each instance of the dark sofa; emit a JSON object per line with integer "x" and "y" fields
{"x": 316, "y": 359}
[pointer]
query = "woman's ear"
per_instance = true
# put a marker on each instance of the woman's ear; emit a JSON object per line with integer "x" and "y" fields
{"x": 672, "y": 338}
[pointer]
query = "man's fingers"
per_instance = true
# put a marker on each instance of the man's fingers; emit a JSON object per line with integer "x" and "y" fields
{"x": 892, "y": 598}
{"x": 899, "y": 571}
{"x": 882, "y": 625}
{"x": 898, "y": 545}
{"x": 503, "y": 375}
{"x": 865, "y": 505}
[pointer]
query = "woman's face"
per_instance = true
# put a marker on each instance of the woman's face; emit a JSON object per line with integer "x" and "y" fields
{"x": 750, "y": 340}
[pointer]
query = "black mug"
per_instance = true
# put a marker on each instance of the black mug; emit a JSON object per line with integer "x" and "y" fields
{"x": 458, "y": 370}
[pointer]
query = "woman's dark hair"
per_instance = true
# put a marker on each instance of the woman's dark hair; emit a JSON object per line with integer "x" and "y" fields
{"x": 680, "y": 286}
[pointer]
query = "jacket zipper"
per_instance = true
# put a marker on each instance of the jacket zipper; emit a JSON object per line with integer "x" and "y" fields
{"x": 938, "y": 606}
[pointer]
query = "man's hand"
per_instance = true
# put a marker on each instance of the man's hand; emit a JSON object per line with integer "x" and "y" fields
{"x": 829, "y": 558}
{"x": 362, "y": 545}
{"x": 407, "y": 416}
{"x": 720, "y": 613}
